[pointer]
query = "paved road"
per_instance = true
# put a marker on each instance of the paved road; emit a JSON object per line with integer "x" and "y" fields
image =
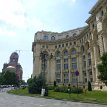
{"x": 8, "y": 100}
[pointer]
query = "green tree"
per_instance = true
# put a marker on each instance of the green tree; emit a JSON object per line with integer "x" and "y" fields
{"x": 102, "y": 68}
{"x": 36, "y": 84}
{"x": 1, "y": 79}
{"x": 8, "y": 78}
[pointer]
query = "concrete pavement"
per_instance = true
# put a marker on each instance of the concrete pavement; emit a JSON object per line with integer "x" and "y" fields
{"x": 8, "y": 100}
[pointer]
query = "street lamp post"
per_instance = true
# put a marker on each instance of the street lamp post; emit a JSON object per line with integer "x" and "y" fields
{"x": 43, "y": 59}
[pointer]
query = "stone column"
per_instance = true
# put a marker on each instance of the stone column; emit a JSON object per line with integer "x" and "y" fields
{"x": 105, "y": 41}
{"x": 92, "y": 61}
{"x": 61, "y": 70}
{"x": 95, "y": 61}
{"x": 101, "y": 44}
{"x": 79, "y": 67}
{"x": 69, "y": 63}
{"x": 86, "y": 56}
{"x": 52, "y": 70}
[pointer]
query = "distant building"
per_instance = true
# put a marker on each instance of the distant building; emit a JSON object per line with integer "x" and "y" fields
{"x": 74, "y": 50}
{"x": 14, "y": 66}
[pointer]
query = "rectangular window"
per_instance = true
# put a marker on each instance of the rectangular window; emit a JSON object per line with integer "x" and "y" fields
{"x": 89, "y": 62}
{"x": 89, "y": 55}
{"x": 65, "y": 60}
{"x": 84, "y": 57}
{"x": 74, "y": 65}
{"x": 91, "y": 79}
{"x": 62, "y": 45}
{"x": 74, "y": 79}
{"x": 65, "y": 75}
{"x": 58, "y": 75}
{"x": 45, "y": 37}
{"x": 85, "y": 79}
{"x": 90, "y": 72}
{"x": 66, "y": 80}
{"x": 74, "y": 60}
{"x": 84, "y": 64}
{"x": 58, "y": 61}
{"x": 65, "y": 66}
{"x": 58, "y": 80}
{"x": 58, "y": 67}
{"x": 66, "y": 44}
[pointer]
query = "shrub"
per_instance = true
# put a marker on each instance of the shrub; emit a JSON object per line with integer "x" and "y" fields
{"x": 66, "y": 89}
{"x": 76, "y": 90}
{"x": 35, "y": 85}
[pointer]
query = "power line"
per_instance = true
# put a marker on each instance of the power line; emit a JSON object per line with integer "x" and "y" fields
{"x": 23, "y": 50}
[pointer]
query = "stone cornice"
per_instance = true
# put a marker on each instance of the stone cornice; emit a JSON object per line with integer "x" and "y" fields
{"x": 64, "y": 40}
{"x": 33, "y": 44}
{"x": 83, "y": 32}
{"x": 90, "y": 19}
{"x": 97, "y": 6}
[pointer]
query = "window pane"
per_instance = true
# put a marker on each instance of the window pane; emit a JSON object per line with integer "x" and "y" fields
{"x": 52, "y": 38}
{"x": 65, "y": 60}
{"x": 58, "y": 54}
{"x": 74, "y": 59}
{"x": 74, "y": 65}
{"x": 73, "y": 52}
{"x": 89, "y": 62}
{"x": 58, "y": 66}
{"x": 58, "y": 61}
{"x": 65, "y": 66}
{"x": 45, "y": 37}
{"x": 65, "y": 53}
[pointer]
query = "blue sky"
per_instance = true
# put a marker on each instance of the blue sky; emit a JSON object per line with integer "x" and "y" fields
{"x": 20, "y": 19}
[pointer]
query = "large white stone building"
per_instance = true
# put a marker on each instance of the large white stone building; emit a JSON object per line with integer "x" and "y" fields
{"x": 78, "y": 49}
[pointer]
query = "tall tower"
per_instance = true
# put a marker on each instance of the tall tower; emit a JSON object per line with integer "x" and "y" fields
{"x": 14, "y": 59}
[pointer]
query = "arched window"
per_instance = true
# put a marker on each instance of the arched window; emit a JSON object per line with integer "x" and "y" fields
{"x": 87, "y": 45}
{"x": 65, "y": 53}
{"x": 82, "y": 49}
{"x": 58, "y": 54}
{"x": 53, "y": 38}
{"x": 73, "y": 52}
{"x": 74, "y": 34}
{"x": 67, "y": 36}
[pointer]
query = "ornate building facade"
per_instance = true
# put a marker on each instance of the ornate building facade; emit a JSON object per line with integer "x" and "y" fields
{"x": 74, "y": 50}
{"x": 14, "y": 66}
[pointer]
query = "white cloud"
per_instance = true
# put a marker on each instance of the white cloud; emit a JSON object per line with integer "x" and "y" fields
{"x": 12, "y": 13}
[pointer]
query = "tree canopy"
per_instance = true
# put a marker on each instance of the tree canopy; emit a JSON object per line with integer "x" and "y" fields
{"x": 8, "y": 78}
{"x": 102, "y": 68}
{"x": 36, "y": 84}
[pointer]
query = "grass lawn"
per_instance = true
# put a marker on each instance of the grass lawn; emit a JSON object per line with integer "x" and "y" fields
{"x": 91, "y": 97}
